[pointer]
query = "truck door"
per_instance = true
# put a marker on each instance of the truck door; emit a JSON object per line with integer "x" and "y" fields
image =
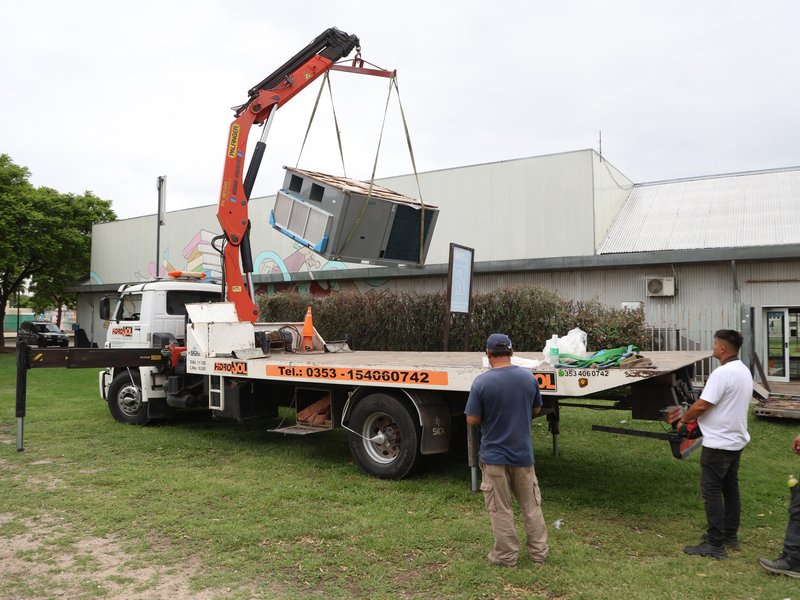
{"x": 125, "y": 329}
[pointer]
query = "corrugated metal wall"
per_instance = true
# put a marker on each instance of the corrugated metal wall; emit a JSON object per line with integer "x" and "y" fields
{"x": 518, "y": 209}
{"x": 708, "y": 296}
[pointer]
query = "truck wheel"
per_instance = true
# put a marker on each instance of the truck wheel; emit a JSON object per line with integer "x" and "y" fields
{"x": 125, "y": 399}
{"x": 388, "y": 446}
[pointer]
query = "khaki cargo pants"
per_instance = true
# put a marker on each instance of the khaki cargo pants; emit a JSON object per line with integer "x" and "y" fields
{"x": 498, "y": 483}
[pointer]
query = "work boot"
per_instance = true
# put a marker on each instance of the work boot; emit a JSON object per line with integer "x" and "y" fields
{"x": 781, "y": 566}
{"x": 496, "y": 561}
{"x": 732, "y": 543}
{"x": 706, "y": 549}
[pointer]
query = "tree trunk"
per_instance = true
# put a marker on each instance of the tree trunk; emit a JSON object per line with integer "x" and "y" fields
{"x": 3, "y": 321}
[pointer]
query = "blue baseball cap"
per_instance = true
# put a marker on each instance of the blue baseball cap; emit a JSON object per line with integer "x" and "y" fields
{"x": 498, "y": 341}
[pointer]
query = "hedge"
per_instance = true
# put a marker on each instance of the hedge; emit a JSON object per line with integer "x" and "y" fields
{"x": 411, "y": 321}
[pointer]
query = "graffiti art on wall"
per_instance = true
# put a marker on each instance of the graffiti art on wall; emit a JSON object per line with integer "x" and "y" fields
{"x": 201, "y": 256}
{"x": 304, "y": 260}
{"x": 163, "y": 268}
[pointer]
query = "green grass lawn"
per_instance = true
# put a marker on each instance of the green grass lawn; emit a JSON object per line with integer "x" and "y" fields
{"x": 94, "y": 508}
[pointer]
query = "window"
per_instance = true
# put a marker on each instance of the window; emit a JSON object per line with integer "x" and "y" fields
{"x": 129, "y": 307}
{"x": 317, "y": 192}
{"x": 295, "y": 184}
{"x": 178, "y": 299}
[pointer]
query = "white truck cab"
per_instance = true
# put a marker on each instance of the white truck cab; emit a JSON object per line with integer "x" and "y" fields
{"x": 154, "y": 306}
{"x": 142, "y": 310}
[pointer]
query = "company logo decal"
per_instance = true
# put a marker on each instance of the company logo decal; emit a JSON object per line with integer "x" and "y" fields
{"x": 234, "y": 368}
{"x": 123, "y": 331}
{"x": 234, "y": 141}
{"x": 224, "y": 195}
{"x": 546, "y": 381}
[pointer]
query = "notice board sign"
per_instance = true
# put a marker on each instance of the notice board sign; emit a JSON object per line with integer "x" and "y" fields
{"x": 459, "y": 284}
{"x": 459, "y": 289}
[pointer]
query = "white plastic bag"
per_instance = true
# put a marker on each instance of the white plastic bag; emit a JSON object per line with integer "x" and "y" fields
{"x": 528, "y": 363}
{"x": 572, "y": 343}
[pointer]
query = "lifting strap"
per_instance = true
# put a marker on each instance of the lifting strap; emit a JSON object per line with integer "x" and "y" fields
{"x": 325, "y": 79}
{"x": 392, "y": 83}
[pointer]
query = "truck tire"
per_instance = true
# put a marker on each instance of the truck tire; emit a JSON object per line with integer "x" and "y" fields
{"x": 125, "y": 399}
{"x": 397, "y": 452}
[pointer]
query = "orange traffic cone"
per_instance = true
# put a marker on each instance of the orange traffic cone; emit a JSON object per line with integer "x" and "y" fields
{"x": 308, "y": 332}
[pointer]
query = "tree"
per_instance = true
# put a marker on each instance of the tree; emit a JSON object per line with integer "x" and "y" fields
{"x": 70, "y": 248}
{"x": 46, "y": 237}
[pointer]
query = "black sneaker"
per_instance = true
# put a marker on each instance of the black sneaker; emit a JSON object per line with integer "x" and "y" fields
{"x": 706, "y": 549}
{"x": 732, "y": 543}
{"x": 780, "y": 566}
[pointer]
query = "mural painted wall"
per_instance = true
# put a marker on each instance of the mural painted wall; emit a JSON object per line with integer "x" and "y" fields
{"x": 518, "y": 209}
{"x": 124, "y": 251}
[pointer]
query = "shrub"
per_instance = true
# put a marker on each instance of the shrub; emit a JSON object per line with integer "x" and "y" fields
{"x": 411, "y": 321}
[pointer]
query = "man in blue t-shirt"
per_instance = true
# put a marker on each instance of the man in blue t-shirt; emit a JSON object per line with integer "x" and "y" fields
{"x": 503, "y": 401}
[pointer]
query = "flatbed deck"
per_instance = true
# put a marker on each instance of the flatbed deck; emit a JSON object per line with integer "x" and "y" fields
{"x": 451, "y": 371}
{"x": 783, "y": 407}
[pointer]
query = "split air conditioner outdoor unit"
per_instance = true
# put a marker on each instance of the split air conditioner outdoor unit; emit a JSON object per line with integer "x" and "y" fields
{"x": 660, "y": 286}
{"x": 353, "y": 221}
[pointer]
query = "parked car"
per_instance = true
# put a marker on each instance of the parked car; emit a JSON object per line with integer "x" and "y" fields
{"x": 42, "y": 334}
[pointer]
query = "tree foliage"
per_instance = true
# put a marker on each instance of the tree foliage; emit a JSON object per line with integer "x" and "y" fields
{"x": 46, "y": 237}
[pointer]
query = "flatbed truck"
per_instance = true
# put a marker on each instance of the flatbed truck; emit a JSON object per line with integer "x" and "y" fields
{"x": 162, "y": 357}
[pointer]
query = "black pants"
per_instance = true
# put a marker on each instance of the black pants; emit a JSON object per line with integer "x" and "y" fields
{"x": 791, "y": 543}
{"x": 719, "y": 482}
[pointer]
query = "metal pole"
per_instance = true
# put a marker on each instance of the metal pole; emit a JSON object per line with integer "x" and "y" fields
{"x": 554, "y": 425}
{"x": 446, "y": 342}
{"x": 161, "y": 186}
{"x": 472, "y": 456}
{"x": 22, "y": 384}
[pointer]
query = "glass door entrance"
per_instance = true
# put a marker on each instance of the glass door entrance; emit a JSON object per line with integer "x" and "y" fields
{"x": 783, "y": 344}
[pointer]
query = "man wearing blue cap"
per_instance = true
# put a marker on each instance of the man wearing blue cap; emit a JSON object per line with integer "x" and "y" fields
{"x": 503, "y": 401}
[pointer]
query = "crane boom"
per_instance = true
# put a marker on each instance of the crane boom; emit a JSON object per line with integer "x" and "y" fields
{"x": 263, "y": 100}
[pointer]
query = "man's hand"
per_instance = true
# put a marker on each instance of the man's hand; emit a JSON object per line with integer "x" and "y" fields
{"x": 796, "y": 444}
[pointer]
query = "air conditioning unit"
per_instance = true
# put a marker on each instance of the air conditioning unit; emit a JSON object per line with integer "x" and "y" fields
{"x": 349, "y": 220}
{"x": 660, "y": 286}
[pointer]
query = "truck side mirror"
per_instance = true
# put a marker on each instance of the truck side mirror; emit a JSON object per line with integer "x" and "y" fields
{"x": 105, "y": 308}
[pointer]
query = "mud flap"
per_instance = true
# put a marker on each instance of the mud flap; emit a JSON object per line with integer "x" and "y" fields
{"x": 435, "y": 429}
{"x": 434, "y": 419}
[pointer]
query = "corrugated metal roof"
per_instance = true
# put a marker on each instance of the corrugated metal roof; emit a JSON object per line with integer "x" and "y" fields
{"x": 758, "y": 208}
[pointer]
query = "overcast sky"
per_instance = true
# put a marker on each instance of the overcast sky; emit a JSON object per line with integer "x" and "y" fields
{"x": 106, "y": 96}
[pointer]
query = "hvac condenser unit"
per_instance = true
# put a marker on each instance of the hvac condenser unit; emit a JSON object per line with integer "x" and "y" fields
{"x": 661, "y": 286}
{"x": 343, "y": 219}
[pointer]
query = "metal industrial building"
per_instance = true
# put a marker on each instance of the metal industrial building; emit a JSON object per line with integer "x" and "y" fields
{"x": 697, "y": 254}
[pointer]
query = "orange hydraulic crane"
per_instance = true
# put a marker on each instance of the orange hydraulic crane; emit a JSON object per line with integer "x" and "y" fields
{"x": 264, "y": 100}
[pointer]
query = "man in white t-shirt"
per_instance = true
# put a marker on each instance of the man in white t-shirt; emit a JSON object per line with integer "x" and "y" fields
{"x": 722, "y": 413}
